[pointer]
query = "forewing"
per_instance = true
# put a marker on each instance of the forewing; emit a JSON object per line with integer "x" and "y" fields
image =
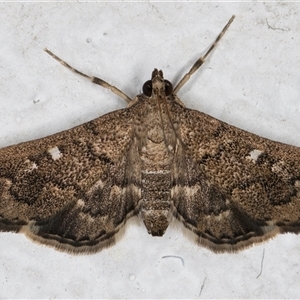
{"x": 230, "y": 187}
{"x": 71, "y": 190}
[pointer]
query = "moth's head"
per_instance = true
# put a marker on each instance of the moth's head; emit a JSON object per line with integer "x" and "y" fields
{"x": 157, "y": 86}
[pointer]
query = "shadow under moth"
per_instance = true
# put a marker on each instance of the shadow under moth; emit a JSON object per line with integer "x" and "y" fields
{"x": 155, "y": 159}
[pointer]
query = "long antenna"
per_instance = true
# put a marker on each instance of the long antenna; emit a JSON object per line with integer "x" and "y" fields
{"x": 93, "y": 79}
{"x": 201, "y": 60}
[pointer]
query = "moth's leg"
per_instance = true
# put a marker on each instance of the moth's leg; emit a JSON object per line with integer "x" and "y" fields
{"x": 201, "y": 60}
{"x": 95, "y": 80}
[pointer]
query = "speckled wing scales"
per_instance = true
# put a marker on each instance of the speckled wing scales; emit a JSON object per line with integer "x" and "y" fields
{"x": 71, "y": 190}
{"x": 233, "y": 188}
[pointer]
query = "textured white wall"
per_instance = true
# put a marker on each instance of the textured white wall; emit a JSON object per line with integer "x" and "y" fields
{"x": 250, "y": 81}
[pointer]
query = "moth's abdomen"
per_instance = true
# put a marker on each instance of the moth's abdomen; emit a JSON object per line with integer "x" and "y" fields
{"x": 156, "y": 201}
{"x": 156, "y": 186}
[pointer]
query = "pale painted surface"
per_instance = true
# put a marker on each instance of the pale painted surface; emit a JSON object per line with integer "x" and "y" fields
{"x": 250, "y": 81}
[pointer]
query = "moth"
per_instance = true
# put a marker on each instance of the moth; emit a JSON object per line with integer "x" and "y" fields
{"x": 155, "y": 159}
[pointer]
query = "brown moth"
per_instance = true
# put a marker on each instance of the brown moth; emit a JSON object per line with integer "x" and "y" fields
{"x": 157, "y": 159}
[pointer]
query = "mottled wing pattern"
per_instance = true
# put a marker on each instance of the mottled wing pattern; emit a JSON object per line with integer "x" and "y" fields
{"x": 72, "y": 190}
{"x": 230, "y": 187}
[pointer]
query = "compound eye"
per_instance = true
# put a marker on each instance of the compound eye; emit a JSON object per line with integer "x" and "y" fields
{"x": 147, "y": 88}
{"x": 168, "y": 88}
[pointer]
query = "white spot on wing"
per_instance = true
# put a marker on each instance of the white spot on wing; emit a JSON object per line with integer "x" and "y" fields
{"x": 55, "y": 153}
{"x": 80, "y": 203}
{"x": 254, "y": 155}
